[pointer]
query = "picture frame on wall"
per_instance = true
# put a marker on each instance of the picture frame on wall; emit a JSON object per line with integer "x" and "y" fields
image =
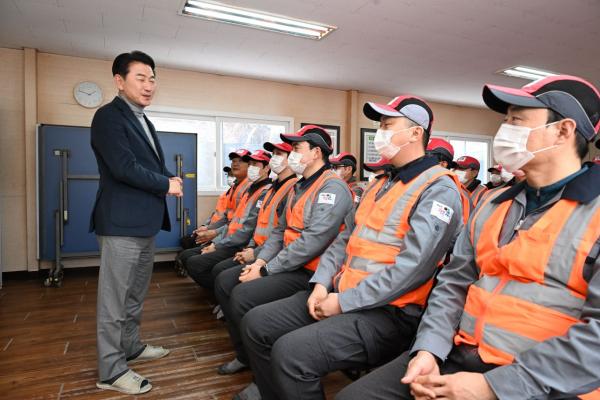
{"x": 368, "y": 152}
{"x": 334, "y": 132}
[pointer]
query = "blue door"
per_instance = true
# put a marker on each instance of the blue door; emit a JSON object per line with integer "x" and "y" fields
{"x": 68, "y": 181}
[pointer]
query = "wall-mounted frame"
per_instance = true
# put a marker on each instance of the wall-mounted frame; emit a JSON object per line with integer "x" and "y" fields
{"x": 334, "y": 132}
{"x": 368, "y": 153}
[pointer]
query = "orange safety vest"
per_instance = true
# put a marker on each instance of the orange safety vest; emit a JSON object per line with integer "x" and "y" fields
{"x": 295, "y": 215}
{"x": 476, "y": 194}
{"x": 244, "y": 208}
{"x": 381, "y": 225}
{"x": 531, "y": 289}
{"x": 267, "y": 216}
{"x": 235, "y": 196}
{"x": 221, "y": 207}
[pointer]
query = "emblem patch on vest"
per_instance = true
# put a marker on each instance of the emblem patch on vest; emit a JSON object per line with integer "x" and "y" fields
{"x": 442, "y": 211}
{"x": 326, "y": 198}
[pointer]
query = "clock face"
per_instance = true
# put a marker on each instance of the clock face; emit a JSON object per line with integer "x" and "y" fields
{"x": 88, "y": 94}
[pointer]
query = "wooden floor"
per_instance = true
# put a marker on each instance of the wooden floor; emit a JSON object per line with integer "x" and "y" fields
{"x": 48, "y": 342}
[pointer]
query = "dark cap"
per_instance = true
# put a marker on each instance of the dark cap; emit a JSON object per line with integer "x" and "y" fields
{"x": 281, "y": 146}
{"x": 344, "y": 158}
{"x": 495, "y": 168}
{"x": 258, "y": 155}
{"x": 468, "y": 162}
{"x": 411, "y": 107}
{"x": 239, "y": 153}
{"x": 569, "y": 96}
{"x": 313, "y": 134}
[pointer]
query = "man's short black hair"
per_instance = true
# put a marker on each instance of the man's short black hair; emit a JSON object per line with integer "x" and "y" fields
{"x": 121, "y": 64}
{"x": 324, "y": 155}
{"x": 581, "y": 144}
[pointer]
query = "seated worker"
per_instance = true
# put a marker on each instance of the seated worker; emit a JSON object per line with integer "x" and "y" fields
{"x": 371, "y": 285}
{"x": 344, "y": 165}
{"x": 377, "y": 169}
{"x": 516, "y": 313}
{"x": 315, "y": 212}
{"x": 271, "y": 209}
{"x": 220, "y": 211}
{"x": 240, "y": 229}
{"x": 443, "y": 151}
{"x": 205, "y": 233}
{"x": 467, "y": 169}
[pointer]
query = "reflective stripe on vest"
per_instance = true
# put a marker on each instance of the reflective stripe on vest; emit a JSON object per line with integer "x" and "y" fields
{"x": 476, "y": 195}
{"x": 381, "y": 225}
{"x": 244, "y": 208}
{"x": 221, "y": 208}
{"x": 267, "y": 216}
{"x": 303, "y": 207}
{"x": 531, "y": 289}
{"x": 235, "y": 197}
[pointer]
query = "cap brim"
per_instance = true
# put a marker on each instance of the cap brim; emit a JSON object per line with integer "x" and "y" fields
{"x": 499, "y": 98}
{"x": 268, "y": 146}
{"x": 292, "y": 138}
{"x": 234, "y": 155}
{"x": 493, "y": 169}
{"x": 227, "y": 169}
{"x": 374, "y": 111}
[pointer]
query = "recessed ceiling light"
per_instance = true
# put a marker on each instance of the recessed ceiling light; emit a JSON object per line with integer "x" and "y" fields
{"x": 220, "y": 12}
{"x": 528, "y": 73}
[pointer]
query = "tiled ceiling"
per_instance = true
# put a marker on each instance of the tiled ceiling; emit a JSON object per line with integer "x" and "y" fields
{"x": 442, "y": 50}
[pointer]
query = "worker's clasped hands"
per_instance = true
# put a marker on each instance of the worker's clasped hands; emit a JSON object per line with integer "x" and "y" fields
{"x": 252, "y": 271}
{"x": 322, "y": 304}
{"x": 426, "y": 382}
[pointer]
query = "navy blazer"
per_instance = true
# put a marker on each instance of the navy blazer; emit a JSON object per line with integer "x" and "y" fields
{"x": 134, "y": 181}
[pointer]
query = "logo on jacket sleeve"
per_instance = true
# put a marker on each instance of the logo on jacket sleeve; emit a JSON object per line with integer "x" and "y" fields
{"x": 442, "y": 211}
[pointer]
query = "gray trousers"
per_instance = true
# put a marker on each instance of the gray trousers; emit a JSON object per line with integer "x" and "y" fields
{"x": 125, "y": 271}
{"x": 289, "y": 351}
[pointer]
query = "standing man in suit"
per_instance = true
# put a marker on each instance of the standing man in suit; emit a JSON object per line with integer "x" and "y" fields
{"x": 130, "y": 210}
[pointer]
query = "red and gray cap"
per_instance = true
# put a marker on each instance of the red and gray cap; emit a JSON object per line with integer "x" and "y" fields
{"x": 346, "y": 159}
{"x": 313, "y": 134}
{"x": 239, "y": 153}
{"x": 569, "y": 96}
{"x": 596, "y": 159}
{"x": 411, "y": 107}
{"x": 258, "y": 155}
{"x": 440, "y": 146}
{"x": 281, "y": 146}
{"x": 383, "y": 163}
{"x": 467, "y": 162}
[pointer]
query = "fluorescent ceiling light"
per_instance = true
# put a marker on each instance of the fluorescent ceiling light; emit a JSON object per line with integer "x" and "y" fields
{"x": 214, "y": 11}
{"x": 528, "y": 73}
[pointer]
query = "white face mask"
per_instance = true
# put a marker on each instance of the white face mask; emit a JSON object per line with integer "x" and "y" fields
{"x": 495, "y": 179}
{"x": 295, "y": 163}
{"x": 339, "y": 172}
{"x": 383, "y": 143}
{"x": 462, "y": 176}
{"x": 506, "y": 176}
{"x": 510, "y": 146}
{"x": 371, "y": 177}
{"x": 230, "y": 181}
{"x": 277, "y": 164}
{"x": 253, "y": 173}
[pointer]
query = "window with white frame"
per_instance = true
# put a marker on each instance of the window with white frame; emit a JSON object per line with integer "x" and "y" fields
{"x": 477, "y": 146}
{"x": 217, "y": 136}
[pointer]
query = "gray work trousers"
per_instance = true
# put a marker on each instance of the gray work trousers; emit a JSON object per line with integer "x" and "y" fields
{"x": 125, "y": 271}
